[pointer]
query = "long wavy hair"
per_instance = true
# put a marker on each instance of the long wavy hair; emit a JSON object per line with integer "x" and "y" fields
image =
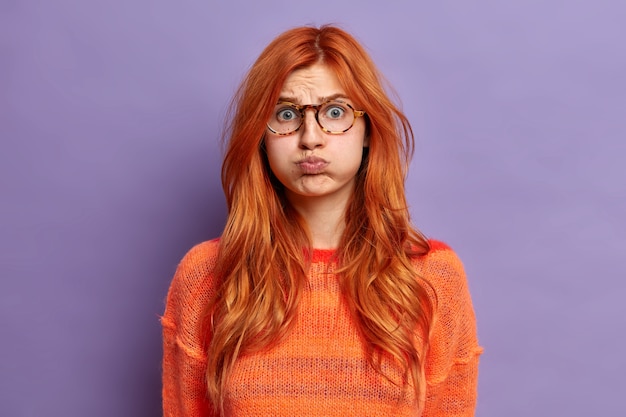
{"x": 265, "y": 247}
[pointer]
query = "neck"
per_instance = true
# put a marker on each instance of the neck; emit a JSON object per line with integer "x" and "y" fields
{"x": 324, "y": 218}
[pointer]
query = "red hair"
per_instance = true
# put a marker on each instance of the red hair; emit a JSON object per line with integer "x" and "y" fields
{"x": 262, "y": 264}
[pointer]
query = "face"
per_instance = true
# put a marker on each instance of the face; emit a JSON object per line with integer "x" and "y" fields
{"x": 310, "y": 163}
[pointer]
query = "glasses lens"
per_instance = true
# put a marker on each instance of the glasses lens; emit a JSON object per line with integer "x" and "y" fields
{"x": 285, "y": 118}
{"x": 336, "y": 116}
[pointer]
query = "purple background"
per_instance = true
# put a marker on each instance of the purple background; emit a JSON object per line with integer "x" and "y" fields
{"x": 110, "y": 113}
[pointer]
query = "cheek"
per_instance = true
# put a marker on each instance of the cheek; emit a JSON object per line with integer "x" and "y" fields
{"x": 276, "y": 157}
{"x": 363, "y": 132}
{"x": 271, "y": 151}
{"x": 366, "y": 141}
{"x": 351, "y": 157}
{"x": 357, "y": 144}
{"x": 361, "y": 138}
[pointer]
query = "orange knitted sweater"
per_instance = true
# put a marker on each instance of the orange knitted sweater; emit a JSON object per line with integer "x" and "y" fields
{"x": 320, "y": 368}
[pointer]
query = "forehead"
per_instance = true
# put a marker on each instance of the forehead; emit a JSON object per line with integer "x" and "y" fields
{"x": 311, "y": 85}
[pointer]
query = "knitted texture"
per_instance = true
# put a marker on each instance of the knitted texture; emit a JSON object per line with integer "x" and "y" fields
{"x": 320, "y": 368}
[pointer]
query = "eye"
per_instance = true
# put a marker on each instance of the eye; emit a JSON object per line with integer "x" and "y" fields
{"x": 286, "y": 114}
{"x": 334, "y": 111}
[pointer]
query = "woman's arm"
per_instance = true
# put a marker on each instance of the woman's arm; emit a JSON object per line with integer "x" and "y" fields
{"x": 452, "y": 360}
{"x": 184, "y": 391}
{"x": 184, "y": 359}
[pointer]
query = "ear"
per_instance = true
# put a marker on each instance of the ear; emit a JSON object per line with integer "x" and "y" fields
{"x": 366, "y": 141}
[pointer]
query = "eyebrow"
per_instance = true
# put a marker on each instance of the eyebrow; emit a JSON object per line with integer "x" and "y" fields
{"x": 322, "y": 99}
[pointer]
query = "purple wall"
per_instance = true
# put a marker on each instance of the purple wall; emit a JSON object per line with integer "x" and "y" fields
{"x": 110, "y": 113}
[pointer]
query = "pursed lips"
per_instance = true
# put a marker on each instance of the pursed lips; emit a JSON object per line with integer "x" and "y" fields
{"x": 312, "y": 165}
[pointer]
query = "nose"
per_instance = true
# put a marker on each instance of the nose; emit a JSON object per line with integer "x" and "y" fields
{"x": 311, "y": 134}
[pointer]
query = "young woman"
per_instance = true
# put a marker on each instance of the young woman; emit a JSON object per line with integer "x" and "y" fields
{"x": 320, "y": 298}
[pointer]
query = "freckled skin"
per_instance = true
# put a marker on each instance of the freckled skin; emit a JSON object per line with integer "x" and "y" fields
{"x": 343, "y": 153}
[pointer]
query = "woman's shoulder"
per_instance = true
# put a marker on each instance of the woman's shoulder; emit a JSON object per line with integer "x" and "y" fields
{"x": 441, "y": 266}
{"x": 441, "y": 250}
{"x": 195, "y": 272}
{"x": 201, "y": 256}
{"x": 439, "y": 253}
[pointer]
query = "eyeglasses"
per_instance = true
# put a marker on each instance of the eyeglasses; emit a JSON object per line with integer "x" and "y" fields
{"x": 333, "y": 116}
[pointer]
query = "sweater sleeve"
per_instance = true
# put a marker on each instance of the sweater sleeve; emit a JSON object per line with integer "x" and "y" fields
{"x": 184, "y": 359}
{"x": 452, "y": 360}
